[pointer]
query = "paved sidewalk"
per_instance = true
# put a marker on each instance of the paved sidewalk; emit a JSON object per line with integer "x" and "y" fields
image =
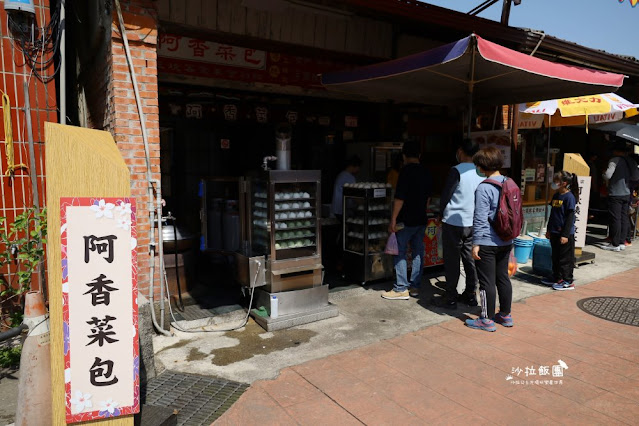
{"x": 449, "y": 374}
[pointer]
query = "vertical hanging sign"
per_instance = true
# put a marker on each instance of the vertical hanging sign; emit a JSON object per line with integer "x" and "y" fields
{"x": 581, "y": 211}
{"x": 100, "y": 311}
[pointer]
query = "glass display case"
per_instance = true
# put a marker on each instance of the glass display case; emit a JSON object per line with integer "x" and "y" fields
{"x": 366, "y": 215}
{"x": 284, "y": 208}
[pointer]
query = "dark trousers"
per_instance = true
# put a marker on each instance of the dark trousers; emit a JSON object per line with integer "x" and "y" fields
{"x": 619, "y": 223}
{"x": 457, "y": 242}
{"x": 492, "y": 271}
{"x": 563, "y": 257}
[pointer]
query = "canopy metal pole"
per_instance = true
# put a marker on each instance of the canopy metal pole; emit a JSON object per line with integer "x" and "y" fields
{"x": 548, "y": 177}
{"x": 471, "y": 85}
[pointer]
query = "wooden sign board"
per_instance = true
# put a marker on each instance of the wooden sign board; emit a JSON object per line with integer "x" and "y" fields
{"x": 100, "y": 312}
{"x": 574, "y": 163}
{"x": 82, "y": 163}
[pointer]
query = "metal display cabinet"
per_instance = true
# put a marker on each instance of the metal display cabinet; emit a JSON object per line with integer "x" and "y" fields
{"x": 283, "y": 211}
{"x": 366, "y": 215}
{"x": 285, "y": 208}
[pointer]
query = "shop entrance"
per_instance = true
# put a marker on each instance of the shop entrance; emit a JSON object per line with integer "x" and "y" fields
{"x": 211, "y": 139}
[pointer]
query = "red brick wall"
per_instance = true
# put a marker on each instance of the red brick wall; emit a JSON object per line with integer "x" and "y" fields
{"x": 123, "y": 120}
{"x": 16, "y": 191}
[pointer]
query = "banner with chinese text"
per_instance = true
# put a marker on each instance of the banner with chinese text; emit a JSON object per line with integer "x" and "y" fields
{"x": 433, "y": 244}
{"x": 100, "y": 312}
{"x": 181, "y": 55}
{"x": 581, "y": 211}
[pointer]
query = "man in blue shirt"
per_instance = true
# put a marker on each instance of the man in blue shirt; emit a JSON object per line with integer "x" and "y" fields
{"x": 457, "y": 205}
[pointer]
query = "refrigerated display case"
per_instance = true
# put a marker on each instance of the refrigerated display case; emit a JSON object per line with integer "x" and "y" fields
{"x": 366, "y": 215}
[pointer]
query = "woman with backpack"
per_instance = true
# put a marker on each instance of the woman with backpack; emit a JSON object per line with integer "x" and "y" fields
{"x": 496, "y": 221}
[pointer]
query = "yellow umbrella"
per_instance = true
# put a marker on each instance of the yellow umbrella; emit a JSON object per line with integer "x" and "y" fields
{"x": 592, "y": 109}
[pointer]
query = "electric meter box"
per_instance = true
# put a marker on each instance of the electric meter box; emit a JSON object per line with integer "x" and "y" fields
{"x": 19, "y": 5}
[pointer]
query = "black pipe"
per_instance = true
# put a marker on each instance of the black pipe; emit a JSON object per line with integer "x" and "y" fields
{"x": 15, "y": 331}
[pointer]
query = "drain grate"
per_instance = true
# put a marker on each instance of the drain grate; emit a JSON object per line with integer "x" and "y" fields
{"x": 195, "y": 312}
{"x": 199, "y": 400}
{"x": 622, "y": 310}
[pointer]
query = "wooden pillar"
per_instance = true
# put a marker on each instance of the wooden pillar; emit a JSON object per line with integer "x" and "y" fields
{"x": 80, "y": 163}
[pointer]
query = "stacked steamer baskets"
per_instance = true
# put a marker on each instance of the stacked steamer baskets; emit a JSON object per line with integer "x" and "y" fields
{"x": 294, "y": 220}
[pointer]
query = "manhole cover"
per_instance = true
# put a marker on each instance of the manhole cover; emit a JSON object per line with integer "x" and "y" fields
{"x": 622, "y": 310}
{"x": 199, "y": 400}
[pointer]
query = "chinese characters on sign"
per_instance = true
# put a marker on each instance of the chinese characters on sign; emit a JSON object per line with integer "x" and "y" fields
{"x": 535, "y": 216}
{"x": 433, "y": 245}
{"x": 185, "y": 56}
{"x": 191, "y": 49}
{"x": 581, "y": 211}
{"x": 101, "y": 353}
{"x": 544, "y": 375}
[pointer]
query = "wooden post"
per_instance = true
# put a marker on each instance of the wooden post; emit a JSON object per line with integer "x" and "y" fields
{"x": 82, "y": 163}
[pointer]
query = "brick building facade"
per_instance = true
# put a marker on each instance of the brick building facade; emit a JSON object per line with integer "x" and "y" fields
{"x": 16, "y": 190}
{"x": 122, "y": 118}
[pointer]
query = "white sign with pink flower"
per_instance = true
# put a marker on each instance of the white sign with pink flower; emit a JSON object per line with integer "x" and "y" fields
{"x": 100, "y": 312}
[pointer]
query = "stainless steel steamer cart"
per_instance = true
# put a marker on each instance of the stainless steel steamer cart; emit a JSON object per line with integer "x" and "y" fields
{"x": 283, "y": 210}
{"x": 367, "y": 211}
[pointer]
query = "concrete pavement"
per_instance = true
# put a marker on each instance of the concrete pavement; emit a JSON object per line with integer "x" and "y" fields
{"x": 365, "y": 318}
{"x": 450, "y": 374}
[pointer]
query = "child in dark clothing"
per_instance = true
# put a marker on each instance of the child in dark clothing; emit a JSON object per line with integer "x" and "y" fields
{"x": 561, "y": 229}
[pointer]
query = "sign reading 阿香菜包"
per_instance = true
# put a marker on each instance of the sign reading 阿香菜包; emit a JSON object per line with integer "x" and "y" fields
{"x": 100, "y": 312}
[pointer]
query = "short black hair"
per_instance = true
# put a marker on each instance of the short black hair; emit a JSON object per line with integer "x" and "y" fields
{"x": 354, "y": 161}
{"x": 469, "y": 147}
{"x": 490, "y": 159}
{"x": 411, "y": 149}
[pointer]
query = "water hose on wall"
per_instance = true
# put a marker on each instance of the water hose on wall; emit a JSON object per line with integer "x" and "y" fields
{"x": 151, "y": 207}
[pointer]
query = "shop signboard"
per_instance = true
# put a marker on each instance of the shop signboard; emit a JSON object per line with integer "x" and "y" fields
{"x": 192, "y": 49}
{"x": 100, "y": 312}
{"x": 581, "y": 211}
{"x": 186, "y": 56}
{"x": 498, "y": 138}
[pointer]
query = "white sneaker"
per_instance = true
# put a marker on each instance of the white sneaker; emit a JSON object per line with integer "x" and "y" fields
{"x": 610, "y": 247}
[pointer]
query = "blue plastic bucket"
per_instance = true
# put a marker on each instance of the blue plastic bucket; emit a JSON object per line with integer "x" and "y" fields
{"x": 523, "y": 249}
{"x": 542, "y": 258}
{"x": 536, "y": 241}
